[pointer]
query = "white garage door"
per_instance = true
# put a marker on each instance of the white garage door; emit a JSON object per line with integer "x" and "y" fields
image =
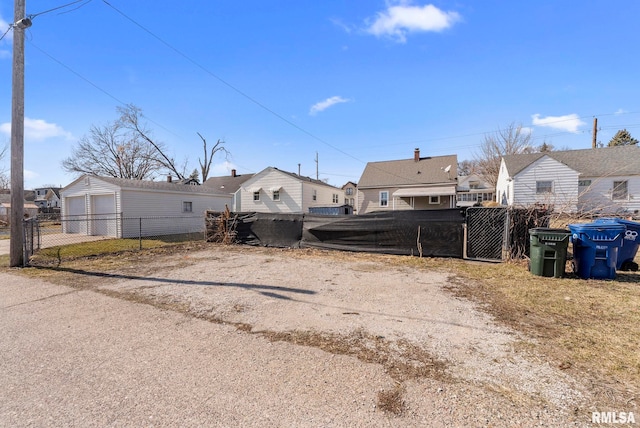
{"x": 104, "y": 215}
{"x": 75, "y": 219}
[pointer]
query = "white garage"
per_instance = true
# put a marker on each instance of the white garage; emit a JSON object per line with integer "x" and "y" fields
{"x": 123, "y": 208}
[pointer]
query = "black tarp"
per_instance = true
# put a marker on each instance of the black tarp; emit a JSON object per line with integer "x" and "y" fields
{"x": 269, "y": 230}
{"x": 427, "y": 233}
{"x": 440, "y": 232}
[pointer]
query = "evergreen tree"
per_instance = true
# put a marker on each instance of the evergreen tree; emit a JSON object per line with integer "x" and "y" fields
{"x": 622, "y": 138}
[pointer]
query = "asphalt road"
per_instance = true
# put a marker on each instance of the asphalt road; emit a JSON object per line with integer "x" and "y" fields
{"x": 80, "y": 358}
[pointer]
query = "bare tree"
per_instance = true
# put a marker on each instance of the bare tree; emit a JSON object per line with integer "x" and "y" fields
{"x": 511, "y": 140}
{"x": 467, "y": 167}
{"x": 126, "y": 149}
{"x": 130, "y": 116}
{"x": 205, "y": 164}
{"x": 5, "y": 180}
{"x": 112, "y": 151}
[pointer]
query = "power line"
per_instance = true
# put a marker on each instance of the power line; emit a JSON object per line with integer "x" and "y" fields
{"x": 104, "y": 91}
{"x": 229, "y": 85}
{"x": 6, "y": 32}
{"x": 31, "y": 16}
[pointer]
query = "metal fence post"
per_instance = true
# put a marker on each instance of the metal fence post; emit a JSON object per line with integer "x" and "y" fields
{"x": 140, "y": 233}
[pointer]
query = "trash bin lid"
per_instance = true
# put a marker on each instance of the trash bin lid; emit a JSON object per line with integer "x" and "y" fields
{"x": 548, "y": 230}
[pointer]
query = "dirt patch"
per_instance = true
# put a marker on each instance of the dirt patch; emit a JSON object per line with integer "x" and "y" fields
{"x": 431, "y": 344}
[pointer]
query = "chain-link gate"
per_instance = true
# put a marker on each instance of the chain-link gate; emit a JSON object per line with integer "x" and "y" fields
{"x": 501, "y": 233}
{"x": 486, "y": 233}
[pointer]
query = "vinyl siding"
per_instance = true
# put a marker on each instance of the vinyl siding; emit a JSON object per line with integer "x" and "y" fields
{"x": 296, "y": 195}
{"x": 290, "y": 193}
{"x": 564, "y": 196}
{"x": 129, "y": 205}
{"x": 369, "y": 201}
{"x": 598, "y": 196}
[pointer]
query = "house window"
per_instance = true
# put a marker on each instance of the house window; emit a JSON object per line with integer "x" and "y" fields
{"x": 315, "y": 195}
{"x": 276, "y": 195}
{"x": 544, "y": 187}
{"x": 256, "y": 195}
{"x": 584, "y": 183}
{"x": 434, "y": 200}
{"x": 335, "y": 198}
{"x": 351, "y": 201}
{"x": 384, "y": 199}
{"x": 620, "y": 190}
{"x": 187, "y": 207}
{"x": 349, "y": 191}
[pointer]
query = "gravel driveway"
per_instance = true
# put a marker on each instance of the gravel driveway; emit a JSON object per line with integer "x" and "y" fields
{"x": 263, "y": 337}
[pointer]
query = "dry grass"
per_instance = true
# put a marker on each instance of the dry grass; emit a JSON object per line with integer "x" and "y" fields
{"x": 391, "y": 401}
{"x": 589, "y": 327}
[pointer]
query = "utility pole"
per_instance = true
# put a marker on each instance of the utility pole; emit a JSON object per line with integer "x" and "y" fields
{"x": 16, "y": 250}
{"x": 594, "y": 141}
{"x": 317, "y": 175}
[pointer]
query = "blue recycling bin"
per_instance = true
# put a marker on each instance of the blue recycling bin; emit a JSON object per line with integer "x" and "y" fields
{"x": 630, "y": 243}
{"x": 595, "y": 249}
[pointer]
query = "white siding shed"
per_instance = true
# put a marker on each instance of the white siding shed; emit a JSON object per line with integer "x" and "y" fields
{"x": 124, "y": 208}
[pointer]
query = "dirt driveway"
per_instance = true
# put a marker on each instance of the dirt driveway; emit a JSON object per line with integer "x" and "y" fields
{"x": 264, "y": 337}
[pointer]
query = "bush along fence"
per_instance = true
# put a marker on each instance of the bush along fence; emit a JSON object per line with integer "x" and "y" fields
{"x": 476, "y": 233}
{"x": 48, "y": 242}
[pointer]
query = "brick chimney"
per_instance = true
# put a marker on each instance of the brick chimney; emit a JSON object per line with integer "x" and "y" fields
{"x": 416, "y": 154}
{"x": 169, "y": 180}
{"x": 233, "y": 173}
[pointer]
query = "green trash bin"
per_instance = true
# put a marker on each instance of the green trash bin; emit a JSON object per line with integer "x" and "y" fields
{"x": 548, "y": 250}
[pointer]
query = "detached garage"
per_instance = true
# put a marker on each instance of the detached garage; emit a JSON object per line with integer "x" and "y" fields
{"x": 123, "y": 208}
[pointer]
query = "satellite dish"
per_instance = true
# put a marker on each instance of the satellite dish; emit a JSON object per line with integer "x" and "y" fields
{"x": 447, "y": 169}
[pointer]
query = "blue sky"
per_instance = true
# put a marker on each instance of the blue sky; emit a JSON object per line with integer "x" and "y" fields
{"x": 353, "y": 81}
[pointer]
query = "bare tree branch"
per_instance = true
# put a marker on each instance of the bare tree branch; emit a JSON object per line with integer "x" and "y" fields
{"x": 205, "y": 164}
{"x": 130, "y": 119}
{"x": 511, "y": 140}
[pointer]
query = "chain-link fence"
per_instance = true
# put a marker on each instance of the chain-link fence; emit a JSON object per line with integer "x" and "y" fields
{"x": 501, "y": 233}
{"x": 48, "y": 242}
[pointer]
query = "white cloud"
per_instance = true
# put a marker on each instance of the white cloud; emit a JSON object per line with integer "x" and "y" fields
{"x": 38, "y": 130}
{"x": 323, "y": 105}
{"x": 401, "y": 18}
{"x": 620, "y": 111}
{"x": 568, "y": 122}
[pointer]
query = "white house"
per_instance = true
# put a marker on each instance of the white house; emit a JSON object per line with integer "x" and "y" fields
{"x": 47, "y": 197}
{"x": 601, "y": 180}
{"x": 125, "y": 208}
{"x": 276, "y": 191}
{"x": 472, "y": 190}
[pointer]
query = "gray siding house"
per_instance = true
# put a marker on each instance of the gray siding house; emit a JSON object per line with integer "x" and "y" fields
{"x": 421, "y": 183}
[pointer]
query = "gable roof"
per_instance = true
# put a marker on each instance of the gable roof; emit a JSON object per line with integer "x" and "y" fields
{"x": 409, "y": 172}
{"x": 126, "y": 183}
{"x": 227, "y": 183}
{"x": 620, "y": 160}
{"x": 5, "y": 200}
{"x": 297, "y": 177}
